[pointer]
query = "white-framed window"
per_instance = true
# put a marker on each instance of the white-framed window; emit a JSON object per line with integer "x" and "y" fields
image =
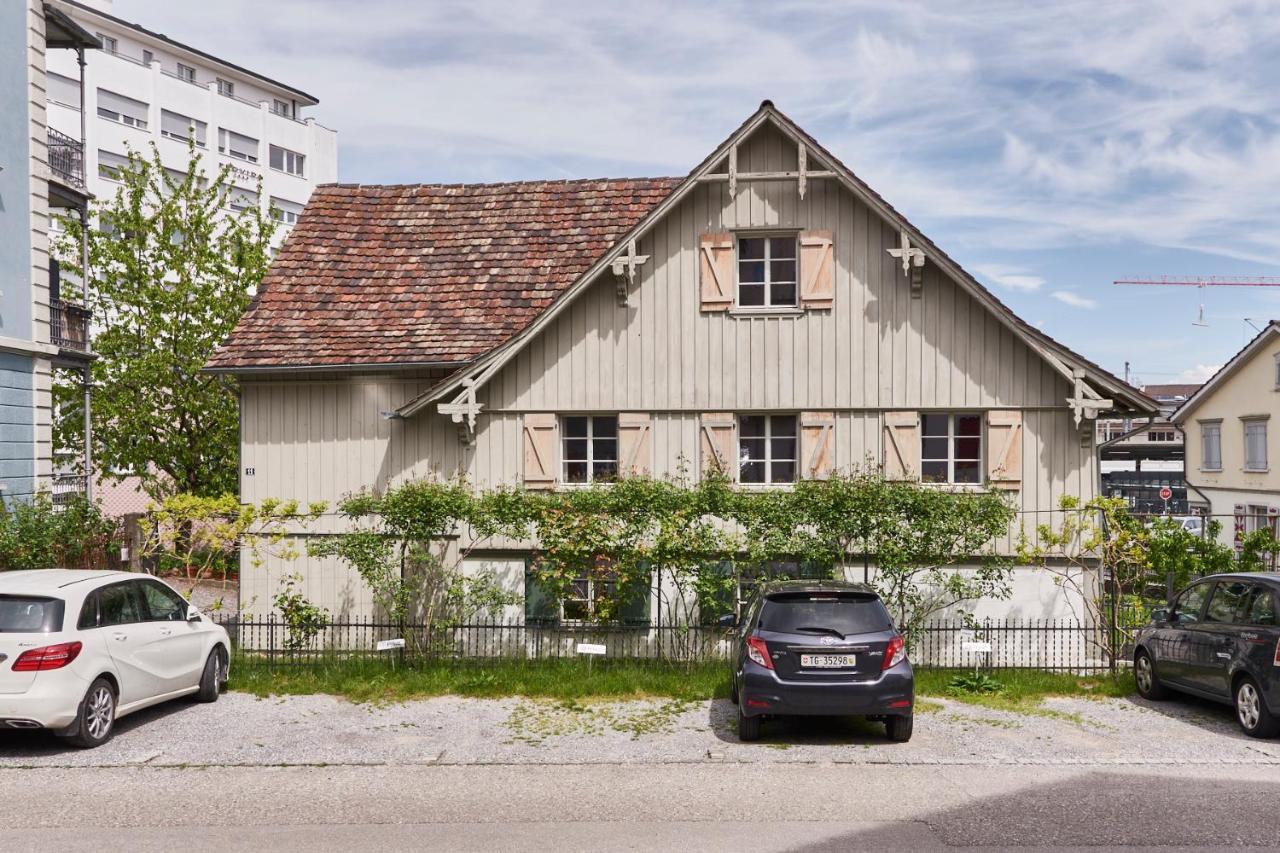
{"x": 588, "y": 448}
{"x": 118, "y": 108}
{"x": 951, "y": 447}
{"x": 1255, "y": 444}
{"x": 110, "y": 164}
{"x": 186, "y": 72}
{"x": 1162, "y": 435}
{"x": 282, "y": 108}
{"x": 766, "y": 449}
{"x": 64, "y": 90}
{"x": 767, "y": 270}
{"x": 109, "y": 44}
{"x": 240, "y": 200}
{"x": 182, "y": 128}
{"x": 287, "y": 161}
{"x": 237, "y": 145}
{"x": 1211, "y": 445}
{"x": 283, "y": 210}
{"x": 226, "y": 87}
{"x": 1259, "y": 517}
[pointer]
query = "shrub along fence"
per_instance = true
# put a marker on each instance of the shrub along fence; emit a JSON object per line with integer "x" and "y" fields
{"x": 1062, "y": 645}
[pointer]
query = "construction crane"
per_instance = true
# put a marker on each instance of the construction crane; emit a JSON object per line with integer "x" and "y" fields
{"x": 1203, "y": 281}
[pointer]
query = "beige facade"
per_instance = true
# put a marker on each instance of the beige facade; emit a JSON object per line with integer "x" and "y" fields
{"x": 1230, "y": 429}
{"x": 860, "y": 360}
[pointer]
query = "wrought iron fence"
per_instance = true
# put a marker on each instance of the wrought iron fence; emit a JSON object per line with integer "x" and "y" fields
{"x": 1053, "y": 644}
{"x": 68, "y": 325}
{"x": 66, "y": 158}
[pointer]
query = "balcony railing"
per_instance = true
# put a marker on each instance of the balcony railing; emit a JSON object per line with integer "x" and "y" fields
{"x": 68, "y": 486}
{"x": 66, "y": 159}
{"x": 68, "y": 325}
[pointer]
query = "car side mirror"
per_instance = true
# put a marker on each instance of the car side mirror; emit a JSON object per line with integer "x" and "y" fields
{"x": 728, "y": 620}
{"x": 193, "y": 615}
{"x": 1160, "y": 614}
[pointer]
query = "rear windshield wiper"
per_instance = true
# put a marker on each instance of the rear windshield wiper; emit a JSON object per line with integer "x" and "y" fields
{"x": 815, "y": 629}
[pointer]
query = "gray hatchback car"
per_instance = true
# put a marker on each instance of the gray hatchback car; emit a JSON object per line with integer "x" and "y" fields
{"x": 1220, "y": 640}
{"x": 820, "y": 647}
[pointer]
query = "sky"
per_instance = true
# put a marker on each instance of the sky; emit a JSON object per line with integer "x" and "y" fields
{"x": 1049, "y": 148}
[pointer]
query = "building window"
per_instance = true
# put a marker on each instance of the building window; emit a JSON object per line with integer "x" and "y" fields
{"x": 64, "y": 90}
{"x": 182, "y": 128}
{"x": 767, "y": 449}
{"x": 282, "y": 108}
{"x": 186, "y": 72}
{"x": 226, "y": 87}
{"x": 237, "y": 145}
{"x": 767, "y": 271}
{"x": 951, "y": 448}
{"x": 1211, "y": 446}
{"x": 148, "y": 57}
{"x": 118, "y": 108}
{"x": 285, "y": 211}
{"x": 286, "y": 160}
{"x": 592, "y": 597}
{"x": 110, "y": 164}
{"x": 1162, "y": 435}
{"x": 589, "y": 448}
{"x": 1255, "y": 445}
{"x": 240, "y": 200}
{"x": 109, "y": 44}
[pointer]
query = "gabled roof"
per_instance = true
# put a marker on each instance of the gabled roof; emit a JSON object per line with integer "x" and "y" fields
{"x": 1225, "y": 372}
{"x": 1065, "y": 361}
{"x": 427, "y": 275}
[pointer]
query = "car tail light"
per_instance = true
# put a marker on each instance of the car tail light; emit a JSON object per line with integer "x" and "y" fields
{"x": 894, "y": 653}
{"x": 759, "y": 652}
{"x": 47, "y": 657}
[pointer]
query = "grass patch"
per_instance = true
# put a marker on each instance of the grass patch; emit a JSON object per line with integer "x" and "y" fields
{"x": 371, "y": 680}
{"x": 1023, "y": 690}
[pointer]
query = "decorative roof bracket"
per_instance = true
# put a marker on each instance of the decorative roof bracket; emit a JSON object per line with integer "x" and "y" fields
{"x": 912, "y": 262}
{"x": 624, "y": 270}
{"x": 1086, "y": 403}
{"x": 463, "y": 411}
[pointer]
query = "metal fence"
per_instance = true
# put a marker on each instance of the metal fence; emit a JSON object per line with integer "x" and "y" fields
{"x": 1061, "y": 645}
{"x": 66, "y": 158}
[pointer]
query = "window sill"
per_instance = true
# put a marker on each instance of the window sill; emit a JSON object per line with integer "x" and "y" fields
{"x": 287, "y": 172}
{"x": 1255, "y": 470}
{"x": 1211, "y": 470}
{"x": 973, "y": 488}
{"x": 766, "y": 312}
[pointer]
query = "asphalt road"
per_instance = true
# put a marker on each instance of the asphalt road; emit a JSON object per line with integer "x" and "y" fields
{"x": 695, "y": 806}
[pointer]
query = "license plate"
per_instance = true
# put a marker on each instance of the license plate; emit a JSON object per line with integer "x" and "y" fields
{"x": 827, "y": 661}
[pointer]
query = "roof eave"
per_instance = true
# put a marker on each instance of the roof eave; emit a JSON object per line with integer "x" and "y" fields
{"x": 1224, "y": 373}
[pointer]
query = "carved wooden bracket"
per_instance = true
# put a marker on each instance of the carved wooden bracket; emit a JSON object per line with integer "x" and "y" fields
{"x": 912, "y": 262}
{"x": 463, "y": 410}
{"x": 624, "y": 270}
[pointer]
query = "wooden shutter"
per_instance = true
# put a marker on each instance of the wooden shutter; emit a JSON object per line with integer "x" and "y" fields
{"x": 902, "y": 445}
{"x": 1004, "y": 449}
{"x": 715, "y": 263}
{"x": 817, "y": 444}
{"x": 718, "y": 443}
{"x": 539, "y": 450}
{"x": 817, "y": 269}
{"x": 635, "y": 445}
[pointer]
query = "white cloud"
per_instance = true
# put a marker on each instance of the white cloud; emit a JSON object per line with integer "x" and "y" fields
{"x": 1011, "y": 278}
{"x": 1075, "y": 300}
{"x": 1200, "y": 373}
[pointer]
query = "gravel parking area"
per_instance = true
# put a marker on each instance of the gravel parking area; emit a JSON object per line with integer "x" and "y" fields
{"x": 322, "y": 730}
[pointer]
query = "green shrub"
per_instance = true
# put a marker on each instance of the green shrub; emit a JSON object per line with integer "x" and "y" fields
{"x": 36, "y": 535}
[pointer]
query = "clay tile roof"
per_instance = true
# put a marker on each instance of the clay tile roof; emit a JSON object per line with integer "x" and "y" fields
{"x": 428, "y": 274}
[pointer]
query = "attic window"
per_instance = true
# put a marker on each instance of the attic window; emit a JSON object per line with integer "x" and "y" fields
{"x": 767, "y": 271}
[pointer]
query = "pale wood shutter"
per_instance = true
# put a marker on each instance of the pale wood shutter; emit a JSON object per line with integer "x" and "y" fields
{"x": 715, "y": 264}
{"x": 817, "y": 444}
{"x": 635, "y": 445}
{"x": 902, "y": 445}
{"x": 540, "y": 450}
{"x": 817, "y": 269}
{"x": 718, "y": 443}
{"x": 1004, "y": 449}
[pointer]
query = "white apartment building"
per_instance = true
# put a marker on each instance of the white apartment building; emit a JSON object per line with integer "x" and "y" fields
{"x": 144, "y": 87}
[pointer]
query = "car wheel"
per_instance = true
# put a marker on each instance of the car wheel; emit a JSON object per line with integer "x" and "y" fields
{"x": 213, "y": 678}
{"x": 899, "y": 727}
{"x": 96, "y": 721}
{"x": 748, "y": 727}
{"x": 1144, "y": 672}
{"x": 1252, "y": 711}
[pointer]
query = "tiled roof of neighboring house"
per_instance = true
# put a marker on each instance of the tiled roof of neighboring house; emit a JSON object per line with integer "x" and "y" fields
{"x": 428, "y": 274}
{"x": 1183, "y": 390}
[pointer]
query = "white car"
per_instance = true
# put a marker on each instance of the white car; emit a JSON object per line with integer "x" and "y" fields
{"x": 79, "y": 649}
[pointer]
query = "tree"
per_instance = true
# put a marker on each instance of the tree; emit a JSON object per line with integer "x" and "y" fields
{"x": 173, "y": 270}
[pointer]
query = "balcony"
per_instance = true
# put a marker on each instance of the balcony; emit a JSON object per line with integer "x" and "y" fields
{"x": 67, "y": 487}
{"x": 66, "y": 159}
{"x": 68, "y": 326}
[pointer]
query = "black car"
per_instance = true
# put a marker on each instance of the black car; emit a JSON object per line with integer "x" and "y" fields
{"x": 820, "y": 648}
{"x": 1219, "y": 639}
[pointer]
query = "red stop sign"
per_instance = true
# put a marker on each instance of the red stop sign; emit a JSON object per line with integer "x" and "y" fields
{"x": 1166, "y": 493}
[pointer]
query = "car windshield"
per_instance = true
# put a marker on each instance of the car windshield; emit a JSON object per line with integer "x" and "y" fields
{"x": 30, "y": 615}
{"x": 816, "y": 613}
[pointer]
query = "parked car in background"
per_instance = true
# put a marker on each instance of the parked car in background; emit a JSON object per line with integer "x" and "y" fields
{"x": 820, "y": 648}
{"x": 1220, "y": 640}
{"x": 80, "y": 649}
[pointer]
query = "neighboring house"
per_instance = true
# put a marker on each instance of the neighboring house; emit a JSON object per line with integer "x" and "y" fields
{"x": 1141, "y": 458}
{"x": 1231, "y": 469}
{"x": 145, "y": 88}
{"x": 768, "y": 313}
{"x": 42, "y": 328}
